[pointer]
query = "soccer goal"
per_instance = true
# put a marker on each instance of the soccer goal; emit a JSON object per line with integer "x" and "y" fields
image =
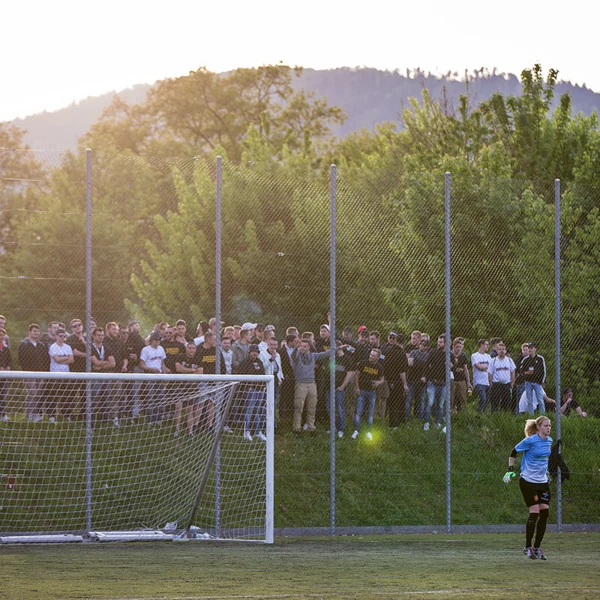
{"x": 106, "y": 457}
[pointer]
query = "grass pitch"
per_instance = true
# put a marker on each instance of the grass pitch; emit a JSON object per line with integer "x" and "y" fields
{"x": 442, "y": 566}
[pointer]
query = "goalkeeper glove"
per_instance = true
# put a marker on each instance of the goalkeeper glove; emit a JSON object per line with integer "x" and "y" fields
{"x": 509, "y": 475}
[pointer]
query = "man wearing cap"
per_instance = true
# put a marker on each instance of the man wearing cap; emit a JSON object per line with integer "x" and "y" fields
{"x": 533, "y": 368}
{"x": 240, "y": 347}
{"x": 254, "y": 397}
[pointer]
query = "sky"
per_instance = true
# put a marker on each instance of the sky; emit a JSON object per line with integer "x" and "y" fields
{"x": 56, "y": 52}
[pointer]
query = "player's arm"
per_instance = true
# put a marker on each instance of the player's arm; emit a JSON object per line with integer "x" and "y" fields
{"x": 510, "y": 473}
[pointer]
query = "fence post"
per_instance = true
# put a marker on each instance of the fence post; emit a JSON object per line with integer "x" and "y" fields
{"x": 332, "y": 338}
{"x": 218, "y": 343}
{"x": 448, "y": 350}
{"x": 557, "y": 340}
{"x": 88, "y": 328}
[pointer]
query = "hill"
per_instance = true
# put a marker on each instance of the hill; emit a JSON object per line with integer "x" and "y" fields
{"x": 369, "y": 96}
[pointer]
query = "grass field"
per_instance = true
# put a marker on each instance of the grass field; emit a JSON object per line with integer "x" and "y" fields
{"x": 361, "y": 568}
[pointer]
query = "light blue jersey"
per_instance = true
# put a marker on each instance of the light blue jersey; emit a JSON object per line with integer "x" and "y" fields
{"x": 534, "y": 464}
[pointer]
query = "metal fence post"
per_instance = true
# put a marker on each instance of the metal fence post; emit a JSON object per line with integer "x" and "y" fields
{"x": 448, "y": 350}
{"x": 218, "y": 342}
{"x": 557, "y": 336}
{"x": 332, "y": 338}
{"x": 88, "y": 327}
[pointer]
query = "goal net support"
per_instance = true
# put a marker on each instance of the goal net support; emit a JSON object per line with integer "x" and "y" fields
{"x": 103, "y": 457}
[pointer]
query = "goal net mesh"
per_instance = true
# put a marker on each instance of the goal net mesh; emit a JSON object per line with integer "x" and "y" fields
{"x": 117, "y": 454}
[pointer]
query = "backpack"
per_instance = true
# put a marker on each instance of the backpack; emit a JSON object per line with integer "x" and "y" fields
{"x": 556, "y": 460}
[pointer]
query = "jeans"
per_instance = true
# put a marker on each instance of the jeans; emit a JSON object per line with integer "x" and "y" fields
{"x": 155, "y": 399}
{"x": 254, "y": 410}
{"x": 535, "y": 392}
{"x": 363, "y": 397}
{"x": 415, "y": 400}
{"x": 340, "y": 408}
{"x": 483, "y": 391}
{"x": 436, "y": 395}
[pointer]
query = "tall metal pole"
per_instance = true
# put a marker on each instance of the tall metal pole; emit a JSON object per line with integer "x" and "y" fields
{"x": 448, "y": 349}
{"x": 332, "y": 338}
{"x": 88, "y": 345}
{"x": 218, "y": 346}
{"x": 557, "y": 341}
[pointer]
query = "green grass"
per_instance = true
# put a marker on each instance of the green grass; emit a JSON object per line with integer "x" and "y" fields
{"x": 485, "y": 566}
{"x": 398, "y": 479}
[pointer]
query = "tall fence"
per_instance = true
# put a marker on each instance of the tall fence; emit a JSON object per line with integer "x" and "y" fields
{"x": 397, "y": 251}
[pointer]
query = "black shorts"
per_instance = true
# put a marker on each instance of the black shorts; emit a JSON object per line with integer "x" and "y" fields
{"x": 534, "y": 493}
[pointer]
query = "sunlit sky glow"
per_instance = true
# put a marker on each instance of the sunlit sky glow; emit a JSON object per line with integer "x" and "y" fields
{"x": 56, "y": 52}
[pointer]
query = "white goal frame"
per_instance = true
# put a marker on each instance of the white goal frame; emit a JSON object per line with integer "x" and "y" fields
{"x": 169, "y": 531}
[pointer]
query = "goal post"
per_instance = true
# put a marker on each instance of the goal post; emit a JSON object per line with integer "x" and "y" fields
{"x": 107, "y": 456}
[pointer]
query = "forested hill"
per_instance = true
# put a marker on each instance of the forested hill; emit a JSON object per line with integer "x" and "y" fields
{"x": 368, "y": 96}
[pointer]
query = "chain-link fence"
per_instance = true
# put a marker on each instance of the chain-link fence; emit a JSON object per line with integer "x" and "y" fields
{"x": 155, "y": 260}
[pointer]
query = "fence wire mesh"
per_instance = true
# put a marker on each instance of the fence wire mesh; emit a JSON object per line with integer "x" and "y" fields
{"x": 154, "y": 262}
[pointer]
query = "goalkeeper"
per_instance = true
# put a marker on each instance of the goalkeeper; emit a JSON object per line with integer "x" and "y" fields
{"x": 534, "y": 480}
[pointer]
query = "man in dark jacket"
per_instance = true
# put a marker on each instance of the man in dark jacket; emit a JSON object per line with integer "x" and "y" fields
{"x": 33, "y": 356}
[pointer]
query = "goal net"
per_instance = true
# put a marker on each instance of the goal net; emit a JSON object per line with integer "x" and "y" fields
{"x": 135, "y": 456}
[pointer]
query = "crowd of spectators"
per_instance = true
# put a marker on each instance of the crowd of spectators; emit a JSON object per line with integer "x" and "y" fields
{"x": 395, "y": 379}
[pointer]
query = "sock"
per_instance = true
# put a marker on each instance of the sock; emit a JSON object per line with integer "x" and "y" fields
{"x": 541, "y": 527}
{"x": 530, "y": 528}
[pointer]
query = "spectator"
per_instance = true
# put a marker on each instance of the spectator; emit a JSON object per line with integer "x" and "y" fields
{"x": 568, "y": 404}
{"x": 102, "y": 362}
{"x": 481, "y": 362}
{"x": 3, "y": 326}
{"x": 206, "y": 358}
{"x": 344, "y": 374}
{"x": 49, "y": 337}
{"x": 435, "y": 373}
{"x": 519, "y": 377}
{"x": 173, "y": 349}
{"x": 396, "y": 366}
{"x": 367, "y": 376}
{"x": 272, "y": 362}
{"x": 159, "y": 328}
{"x": 303, "y": 362}
{"x": 240, "y": 348}
{"x": 417, "y": 380}
{"x": 33, "y": 356}
{"x": 5, "y": 365}
{"x": 288, "y": 385}
{"x": 362, "y": 348}
{"x": 152, "y": 360}
{"x": 181, "y": 334}
{"x": 227, "y": 354}
{"x": 77, "y": 343}
{"x": 61, "y": 357}
{"x": 533, "y": 368}
{"x": 254, "y": 397}
{"x": 501, "y": 374}
{"x": 186, "y": 364}
{"x": 461, "y": 384}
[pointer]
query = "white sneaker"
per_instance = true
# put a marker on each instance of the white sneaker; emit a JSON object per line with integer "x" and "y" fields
{"x": 247, "y": 436}
{"x": 261, "y": 436}
{"x": 116, "y": 421}
{"x": 444, "y": 429}
{"x": 5, "y": 419}
{"x": 354, "y": 434}
{"x": 426, "y": 427}
{"x": 340, "y": 434}
{"x": 305, "y": 426}
{"x": 176, "y": 434}
{"x": 37, "y": 418}
{"x": 438, "y": 425}
{"x": 227, "y": 429}
{"x": 369, "y": 435}
{"x": 52, "y": 420}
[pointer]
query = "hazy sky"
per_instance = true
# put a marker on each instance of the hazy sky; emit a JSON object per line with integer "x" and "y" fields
{"x": 54, "y": 52}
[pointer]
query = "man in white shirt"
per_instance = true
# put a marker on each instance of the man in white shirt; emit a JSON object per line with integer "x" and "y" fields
{"x": 271, "y": 360}
{"x": 501, "y": 375}
{"x": 481, "y": 361}
{"x": 152, "y": 360}
{"x": 61, "y": 356}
